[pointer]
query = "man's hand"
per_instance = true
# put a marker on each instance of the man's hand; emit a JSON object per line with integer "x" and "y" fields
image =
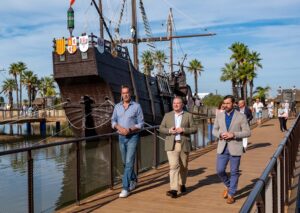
{"x": 122, "y": 130}
{"x": 179, "y": 130}
{"x": 172, "y": 130}
{"x": 227, "y": 135}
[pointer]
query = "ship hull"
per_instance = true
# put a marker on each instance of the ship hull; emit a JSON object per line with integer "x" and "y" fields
{"x": 90, "y": 84}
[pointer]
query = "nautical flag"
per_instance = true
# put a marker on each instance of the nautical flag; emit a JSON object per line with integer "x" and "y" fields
{"x": 60, "y": 45}
{"x": 84, "y": 43}
{"x": 71, "y": 2}
{"x": 72, "y": 45}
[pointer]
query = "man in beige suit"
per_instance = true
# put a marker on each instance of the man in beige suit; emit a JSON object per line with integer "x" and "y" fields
{"x": 230, "y": 127}
{"x": 177, "y": 125}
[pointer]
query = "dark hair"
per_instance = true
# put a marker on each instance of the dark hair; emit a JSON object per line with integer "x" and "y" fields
{"x": 230, "y": 97}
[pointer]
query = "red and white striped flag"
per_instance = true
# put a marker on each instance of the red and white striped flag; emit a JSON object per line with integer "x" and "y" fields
{"x": 72, "y": 2}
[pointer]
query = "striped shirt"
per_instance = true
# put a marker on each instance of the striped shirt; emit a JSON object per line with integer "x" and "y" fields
{"x": 128, "y": 118}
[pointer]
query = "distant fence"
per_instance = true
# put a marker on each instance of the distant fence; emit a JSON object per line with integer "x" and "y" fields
{"x": 271, "y": 191}
{"x": 8, "y": 114}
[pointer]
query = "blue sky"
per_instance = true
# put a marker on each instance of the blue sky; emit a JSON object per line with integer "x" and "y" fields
{"x": 270, "y": 27}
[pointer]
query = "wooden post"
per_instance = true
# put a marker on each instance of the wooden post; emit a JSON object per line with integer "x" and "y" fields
{"x": 30, "y": 182}
{"x": 101, "y": 21}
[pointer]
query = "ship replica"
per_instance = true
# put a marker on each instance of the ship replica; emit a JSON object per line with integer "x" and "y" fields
{"x": 90, "y": 71}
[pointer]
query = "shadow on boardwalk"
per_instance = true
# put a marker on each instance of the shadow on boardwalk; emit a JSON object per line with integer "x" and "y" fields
{"x": 204, "y": 187}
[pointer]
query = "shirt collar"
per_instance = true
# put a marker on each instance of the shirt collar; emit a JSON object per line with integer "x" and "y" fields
{"x": 230, "y": 114}
{"x": 178, "y": 114}
{"x": 130, "y": 103}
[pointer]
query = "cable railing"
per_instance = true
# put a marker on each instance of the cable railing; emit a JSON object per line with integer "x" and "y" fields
{"x": 271, "y": 191}
{"x": 155, "y": 157}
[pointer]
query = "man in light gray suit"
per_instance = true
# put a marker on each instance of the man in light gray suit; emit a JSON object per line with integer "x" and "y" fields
{"x": 178, "y": 125}
{"x": 230, "y": 127}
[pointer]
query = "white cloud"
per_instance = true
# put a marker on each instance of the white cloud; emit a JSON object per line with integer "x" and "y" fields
{"x": 29, "y": 27}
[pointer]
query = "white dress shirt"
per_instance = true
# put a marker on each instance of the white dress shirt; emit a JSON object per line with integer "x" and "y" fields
{"x": 178, "y": 119}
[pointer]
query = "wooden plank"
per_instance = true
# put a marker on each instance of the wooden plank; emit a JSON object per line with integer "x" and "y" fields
{"x": 204, "y": 188}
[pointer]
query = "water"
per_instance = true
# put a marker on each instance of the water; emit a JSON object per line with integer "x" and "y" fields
{"x": 21, "y": 129}
{"x": 54, "y": 171}
{"x": 54, "y": 175}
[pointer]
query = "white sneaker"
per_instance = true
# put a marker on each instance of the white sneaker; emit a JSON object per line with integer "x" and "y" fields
{"x": 124, "y": 193}
{"x": 132, "y": 185}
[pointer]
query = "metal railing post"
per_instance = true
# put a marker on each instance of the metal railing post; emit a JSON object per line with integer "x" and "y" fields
{"x": 261, "y": 201}
{"x": 274, "y": 188}
{"x": 286, "y": 176}
{"x": 281, "y": 182}
{"x": 155, "y": 150}
{"x": 211, "y": 128}
{"x": 203, "y": 132}
{"x": 78, "y": 172}
{"x": 111, "y": 176}
{"x": 30, "y": 182}
{"x": 196, "y": 140}
{"x": 137, "y": 158}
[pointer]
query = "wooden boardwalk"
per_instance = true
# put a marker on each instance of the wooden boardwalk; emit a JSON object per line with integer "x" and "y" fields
{"x": 204, "y": 188}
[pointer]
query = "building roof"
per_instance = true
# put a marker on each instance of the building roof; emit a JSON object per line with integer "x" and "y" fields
{"x": 287, "y": 94}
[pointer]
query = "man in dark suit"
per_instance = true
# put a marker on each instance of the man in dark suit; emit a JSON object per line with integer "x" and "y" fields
{"x": 230, "y": 127}
{"x": 178, "y": 125}
{"x": 245, "y": 110}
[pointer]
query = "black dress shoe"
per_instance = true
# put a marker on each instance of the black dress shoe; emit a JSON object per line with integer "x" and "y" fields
{"x": 182, "y": 188}
{"x": 172, "y": 193}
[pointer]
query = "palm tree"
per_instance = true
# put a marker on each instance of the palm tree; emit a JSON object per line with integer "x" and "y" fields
{"x": 46, "y": 87}
{"x": 195, "y": 67}
{"x": 229, "y": 73}
{"x": 240, "y": 55}
{"x": 14, "y": 71}
{"x": 262, "y": 92}
{"x": 243, "y": 74}
{"x": 22, "y": 67}
{"x": 159, "y": 58}
{"x": 147, "y": 61}
{"x": 240, "y": 52}
{"x": 29, "y": 79}
{"x": 9, "y": 85}
{"x": 254, "y": 59}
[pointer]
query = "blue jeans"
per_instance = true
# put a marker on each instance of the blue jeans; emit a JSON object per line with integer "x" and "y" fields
{"x": 128, "y": 146}
{"x": 222, "y": 161}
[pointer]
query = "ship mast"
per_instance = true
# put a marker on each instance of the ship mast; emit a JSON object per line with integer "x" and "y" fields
{"x": 101, "y": 22}
{"x": 170, "y": 32}
{"x": 134, "y": 31}
{"x": 135, "y": 40}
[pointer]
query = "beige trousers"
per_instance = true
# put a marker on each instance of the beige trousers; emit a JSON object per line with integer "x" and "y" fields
{"x": 178, "y": 161}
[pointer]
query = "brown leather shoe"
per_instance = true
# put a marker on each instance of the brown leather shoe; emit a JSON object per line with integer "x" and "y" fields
{"x": 225, "y": 193}
{"x": 230, "y": 200}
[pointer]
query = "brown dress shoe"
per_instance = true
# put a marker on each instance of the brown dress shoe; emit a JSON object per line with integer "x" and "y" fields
{"x": 225, "y": 193}
{"x": 230, "y": 200}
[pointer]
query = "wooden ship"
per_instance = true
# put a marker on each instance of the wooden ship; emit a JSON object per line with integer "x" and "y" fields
{"x": 90, "y": 77}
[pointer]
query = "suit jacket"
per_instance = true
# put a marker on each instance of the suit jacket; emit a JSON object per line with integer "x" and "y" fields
{"x": 239, "y": 126}
{"x": 248, "y": 113}
{"x": 187, "y": 123}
